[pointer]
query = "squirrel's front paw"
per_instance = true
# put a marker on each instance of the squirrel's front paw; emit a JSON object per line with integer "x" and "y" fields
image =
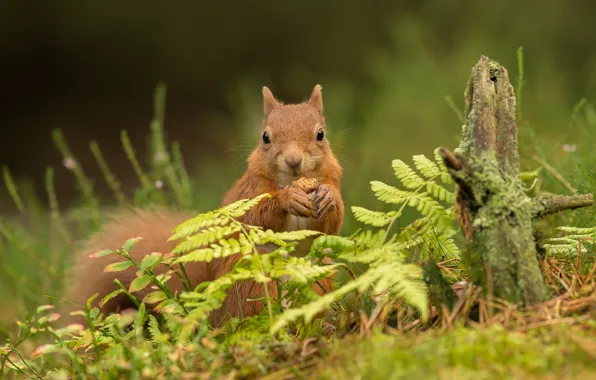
{"x": 324, "y": 200}
{"x": 299, "y": 204}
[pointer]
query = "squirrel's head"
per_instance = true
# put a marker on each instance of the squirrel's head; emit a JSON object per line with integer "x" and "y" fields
{"x": 293, "y": 140}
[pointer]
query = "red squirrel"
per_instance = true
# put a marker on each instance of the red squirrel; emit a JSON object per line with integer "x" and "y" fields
{"x": 293, "y": 145}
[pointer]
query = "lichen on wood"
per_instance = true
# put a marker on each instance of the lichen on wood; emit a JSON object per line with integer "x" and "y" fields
{"x": 495, "y": 212}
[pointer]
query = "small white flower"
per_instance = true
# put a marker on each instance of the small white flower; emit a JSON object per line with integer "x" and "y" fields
{"x": 159, "y": 184}
{"x": 69, "y": 163}
{"x": 569, "y": 148}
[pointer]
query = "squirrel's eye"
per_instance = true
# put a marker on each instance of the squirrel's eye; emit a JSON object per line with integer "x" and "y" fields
{"x": 266, "y": 138}
{"x": 320, "y": 134}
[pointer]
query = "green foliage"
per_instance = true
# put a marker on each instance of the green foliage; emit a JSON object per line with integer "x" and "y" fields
{"x": 264, "y": 257}
{"x": 389, "y": 275}
{"x": 170, "y": 335}
{"x": 575, "y": 241}
{"x": 461, "y": 353}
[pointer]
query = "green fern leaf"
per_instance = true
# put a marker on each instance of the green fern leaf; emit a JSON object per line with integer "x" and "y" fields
{"x": 398, "y": 278}
{"x": 406, "y": 175}
{"x": 295, "y": 235}
{"x": 239, "y": 208}
{"x": 194, "y": 224}
{"x": 206, "y": 236}
{"x": 429, "y": 207}
{"x": 578, "y": 230}
{"x": 375, "y": 255}
{"x": 334, "y": 243}
{"x": 301, "y": 269}
{"x": 369, "y": 238}
{"x": 560, "y": 250}
{"x": 373, "y": 218}
{"x": 389, "y": 194}
{"x": 155, "y": 332}
{"x": 214, "y": 251}
{"x": 425, "y": 166}
{"x": 440, "y": 192}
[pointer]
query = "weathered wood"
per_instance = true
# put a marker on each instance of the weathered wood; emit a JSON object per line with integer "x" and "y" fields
{"x": 552, "y": 204}
{"x": 492, "y": 207}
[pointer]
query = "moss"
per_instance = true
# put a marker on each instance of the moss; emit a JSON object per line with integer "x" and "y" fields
{"x": 503, "y": 233}
{"x": 501, "y": 243}
{"x": 490, "y": 353}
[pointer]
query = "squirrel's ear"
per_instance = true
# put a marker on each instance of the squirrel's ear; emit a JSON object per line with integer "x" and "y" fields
{"x": 316, "y": 98}
{"x": 269, "y": 101}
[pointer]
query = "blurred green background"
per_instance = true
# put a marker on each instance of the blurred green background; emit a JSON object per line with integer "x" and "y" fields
{"x": 385, "y": 67}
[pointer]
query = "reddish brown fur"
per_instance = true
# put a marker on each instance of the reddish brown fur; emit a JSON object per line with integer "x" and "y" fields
{"x": 293, "y": 129}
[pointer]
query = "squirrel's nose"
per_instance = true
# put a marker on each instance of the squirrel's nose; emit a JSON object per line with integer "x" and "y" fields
{"x": 293, "y": 161}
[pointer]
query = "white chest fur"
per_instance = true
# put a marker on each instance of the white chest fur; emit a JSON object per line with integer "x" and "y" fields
{"x": 296, "y": 223}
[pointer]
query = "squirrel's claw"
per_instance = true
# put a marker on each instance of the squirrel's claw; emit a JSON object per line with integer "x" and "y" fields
{"x": 324, "y": 200}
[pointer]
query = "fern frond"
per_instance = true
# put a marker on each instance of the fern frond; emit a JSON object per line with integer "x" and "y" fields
{"x": 204, "y": 237}
{"x": 196, "y": 223}
{"x": 295, "y": 235}
{"x": 370, "y": 239}
{"x": 376, "y": 255}
{"x": 402, "y": 280}
{"x": 336, "y": 244}
{"x": 559, "y": 250}
{"x": 240, "y": 207}
{"x": 568, "y": 245}
{"x": 214, "y": 251}
{"x": 301, "y": 269}
{"x": 373, "y": 218}
{"x": 440, "y": 192}
{"x": 589, "y": 231}
{"x": 429, "y": 169}
{"x": 447, "y": 248}
{"x": 389, "y": 194}
{"x": 406, "y": 175}
{"x": 429, "y": 207}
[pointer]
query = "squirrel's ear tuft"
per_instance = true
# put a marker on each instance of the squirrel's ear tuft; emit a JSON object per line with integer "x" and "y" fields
{"x": 316, "y": 98}
{"x": 269, "y": 101}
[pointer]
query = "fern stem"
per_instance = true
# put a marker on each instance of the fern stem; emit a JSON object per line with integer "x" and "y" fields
{"x": 403, "y": 206}
{"x": 132, "y": 298}
{"x": 183, "y": 270}
{"x": 69, "y": 352}
{"x": 184, "y": 280}
{"x": 256, "y": 252}
{"x": 20, "y": 370}
{"x": 14, "y": 349}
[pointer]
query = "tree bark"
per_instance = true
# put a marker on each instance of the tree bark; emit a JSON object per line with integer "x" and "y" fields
{"x": 492, "y": 207}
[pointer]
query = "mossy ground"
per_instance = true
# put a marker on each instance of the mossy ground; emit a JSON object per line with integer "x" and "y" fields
{"x": 463, "y": 353}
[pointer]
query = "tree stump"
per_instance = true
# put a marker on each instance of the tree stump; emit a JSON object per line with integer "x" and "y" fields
{"x": 494, "y": 211}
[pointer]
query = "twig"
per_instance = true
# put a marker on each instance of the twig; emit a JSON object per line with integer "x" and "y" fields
{"x": 552, "y": 204}
{"x": 555, "y": 173}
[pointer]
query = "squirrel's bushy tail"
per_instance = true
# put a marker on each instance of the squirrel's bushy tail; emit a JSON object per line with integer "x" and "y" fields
{"x": 86, "y": 276}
